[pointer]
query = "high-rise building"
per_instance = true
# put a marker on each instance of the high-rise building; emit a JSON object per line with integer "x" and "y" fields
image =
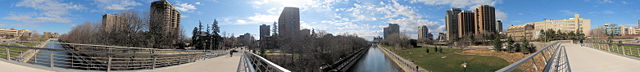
{"x": 485, "y": 20}
{"x": 422, "y": 33}
{"x": 112, "y": 23}
{"x": 289, "y": 22}
{"x": 264, "y": 31}
{"x": 390, "y": 30}
{"x": 499, "y": 26}
{"x": 164, "y": 17}
{"x": 452, "y": 24}
{"x": 465, "y": 24}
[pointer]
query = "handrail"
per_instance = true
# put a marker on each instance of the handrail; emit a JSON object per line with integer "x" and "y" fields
{"x": 108, "y": 60}
{"x": 553, "y": 48}
{"x": 250, "y": 58}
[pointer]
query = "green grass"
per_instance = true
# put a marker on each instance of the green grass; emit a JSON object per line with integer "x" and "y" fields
{"x": 29, "y": 44}
{"x": 452, "y": 63}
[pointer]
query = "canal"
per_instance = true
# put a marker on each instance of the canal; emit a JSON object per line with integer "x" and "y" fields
{"x": 375, "y": 61}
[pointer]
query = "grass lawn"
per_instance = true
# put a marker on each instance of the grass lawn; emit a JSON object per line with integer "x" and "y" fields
{"x": 30, "y": 44}
{"x": 452, "y": 62}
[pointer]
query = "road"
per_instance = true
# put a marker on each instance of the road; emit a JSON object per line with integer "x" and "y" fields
{"x": 583, "y": 59}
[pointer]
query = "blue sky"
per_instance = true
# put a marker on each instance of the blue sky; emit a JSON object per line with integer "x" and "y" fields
{"x": 362, "y": 17}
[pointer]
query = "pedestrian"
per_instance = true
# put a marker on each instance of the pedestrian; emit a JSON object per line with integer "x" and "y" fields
{"x": 427, "y": 50}
{"x": 231, "y": 53}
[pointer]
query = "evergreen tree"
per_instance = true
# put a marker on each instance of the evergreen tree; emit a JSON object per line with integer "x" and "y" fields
{"x": 497, "y": 44}
{"x": 216, "y": 38}
{"x": 510, "y": 43}
{"x": 525, "y": 46}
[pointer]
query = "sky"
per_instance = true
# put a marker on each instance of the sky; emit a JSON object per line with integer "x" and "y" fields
{"x": 365, "y": 18}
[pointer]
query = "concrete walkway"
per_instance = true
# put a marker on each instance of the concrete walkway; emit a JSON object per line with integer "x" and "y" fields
{"x": 10, "y": 67}
{"x": 584, "y": 59}
{"x": 224, "y": 63}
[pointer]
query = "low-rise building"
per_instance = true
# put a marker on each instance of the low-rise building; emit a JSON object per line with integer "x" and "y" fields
{"x": 520, "y": 32}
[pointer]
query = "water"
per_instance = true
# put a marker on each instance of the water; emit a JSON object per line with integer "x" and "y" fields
{"x": 375, "y": 61}
{"x": 59, "y": 56}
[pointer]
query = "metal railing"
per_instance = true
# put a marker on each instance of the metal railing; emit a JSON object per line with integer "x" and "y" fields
{"x": 108, "y": 59}
{"x": 251, "y": 62}
{"x": 626, "y": 50}
{"x": 550, "y": 58}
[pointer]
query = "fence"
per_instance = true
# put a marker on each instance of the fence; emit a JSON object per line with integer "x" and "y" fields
{"x": 550, "y": 58}
{"x": 251, "y": 62}
{"x": 107, "y": 58}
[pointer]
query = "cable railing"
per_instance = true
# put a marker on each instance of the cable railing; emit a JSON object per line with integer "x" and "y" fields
{"x": 251, "y": 62}
{"x": 84, "y": 57}
{"x": 552, "y": 57}
{"x": 626, "y": 50}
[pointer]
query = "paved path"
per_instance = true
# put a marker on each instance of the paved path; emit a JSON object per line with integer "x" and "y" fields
{"x": 219, "y": 64}
{"x": 583, "y": 59}
{"x": 10, "y": 67}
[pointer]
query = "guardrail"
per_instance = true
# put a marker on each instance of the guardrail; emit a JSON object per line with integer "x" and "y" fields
{"x": 550, "y": 58}
{"x": 617, "y": 48}
{"x": 251, "y": 62}
{"x": 109, "y": 60}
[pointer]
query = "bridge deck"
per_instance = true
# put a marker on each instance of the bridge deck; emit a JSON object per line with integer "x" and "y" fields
{"x": 584, "y": 59}
{"x": 224, "y": 63}
{"x": 10, "y": 67}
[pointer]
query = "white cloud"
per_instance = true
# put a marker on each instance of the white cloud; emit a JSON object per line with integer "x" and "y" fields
{"x": 49, "y": 11}
{"x": 116, "y": 4}
{"x": 185, "y": 7}
{"x": 197, "y": 3}
{"x": 501, "y": 15}
{"x": 457, "y": 3}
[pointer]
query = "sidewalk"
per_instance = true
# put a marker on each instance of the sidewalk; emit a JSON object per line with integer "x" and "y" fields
{"x": 583, "y": 59}
{"x": 219, "y": 64}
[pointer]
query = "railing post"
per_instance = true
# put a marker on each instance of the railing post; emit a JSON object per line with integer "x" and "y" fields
{"x": 154, "y": 63}
{"x": 623, "y": 53}
{"x": 51, "y": 59}
{"x": 8, "y": 54}
{"x": 109, "y": 65}
{"x": 35, "y": 58}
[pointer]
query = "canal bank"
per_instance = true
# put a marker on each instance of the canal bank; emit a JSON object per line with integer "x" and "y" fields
{"x": 405, "y": 65}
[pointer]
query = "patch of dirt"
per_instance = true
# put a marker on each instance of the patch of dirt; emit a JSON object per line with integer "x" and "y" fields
{"x": 510, "y": 57}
